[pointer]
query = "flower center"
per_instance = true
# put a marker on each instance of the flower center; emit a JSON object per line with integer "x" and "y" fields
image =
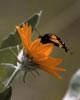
{"x": 26, "y": 62}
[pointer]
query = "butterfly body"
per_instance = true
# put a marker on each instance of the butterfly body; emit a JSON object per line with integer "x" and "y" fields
{"x": 52, "y": 38}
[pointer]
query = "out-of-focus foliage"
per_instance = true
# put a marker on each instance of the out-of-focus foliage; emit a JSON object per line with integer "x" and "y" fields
{"x": 6, "y": 56}
{"x": 6, "y": 94}
{"x": 13, "y": 38}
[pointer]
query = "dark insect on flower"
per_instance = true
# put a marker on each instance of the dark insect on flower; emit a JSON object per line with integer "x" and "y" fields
{"x": 38, "y": 54}
{"x": 52, "y": 38}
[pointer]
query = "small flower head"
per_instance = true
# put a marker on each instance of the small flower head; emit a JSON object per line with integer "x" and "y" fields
{"x": 39, "y": 53}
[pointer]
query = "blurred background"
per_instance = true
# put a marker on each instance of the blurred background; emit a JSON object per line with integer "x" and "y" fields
{"x": 61, "y": 17}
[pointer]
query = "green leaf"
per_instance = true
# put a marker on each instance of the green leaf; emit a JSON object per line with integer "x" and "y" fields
{"x": 6, "y": 94}
{"x": 11, "y": 41}
{"x": 1, "y": 86}
{"x": 13, "y": 38}
{"x": 6, "y": 56}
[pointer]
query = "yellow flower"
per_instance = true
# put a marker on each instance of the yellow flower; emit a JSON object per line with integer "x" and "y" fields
{"x": 39, "y": 53}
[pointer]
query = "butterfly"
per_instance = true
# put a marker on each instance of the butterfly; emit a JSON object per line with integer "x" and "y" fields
{"x": 52, "y": 38}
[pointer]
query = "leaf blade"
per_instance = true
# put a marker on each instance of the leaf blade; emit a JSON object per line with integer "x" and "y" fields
{"x": 6, "y": 94}
{"x": 13, "y": 38}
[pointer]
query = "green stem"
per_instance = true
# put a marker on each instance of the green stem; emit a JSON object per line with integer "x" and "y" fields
{"x": 12, "y": 76}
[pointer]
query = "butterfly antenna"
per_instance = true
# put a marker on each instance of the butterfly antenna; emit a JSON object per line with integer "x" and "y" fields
{"x": 70, "y": 51}
{"x": 37, "y": 31}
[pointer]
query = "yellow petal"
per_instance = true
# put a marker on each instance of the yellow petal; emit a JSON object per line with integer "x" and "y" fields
{"x": 34, "y": 46}
{"x": 23, "y": 38}
{"x": 49, "y": 70}
{"x": 51, "y": 62}
{"x": 57, "y": 75}
{"x": 40, "y": 55}
{"x": 49, "y": 65}
{"x": 59, "y": 69}
{"x": 39, "y": 58}
{"x": 52, "y": 68}
{"x": 27, "y": 31}
{"x": 25, "y": 34}
{"x": 45, "y": 49}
